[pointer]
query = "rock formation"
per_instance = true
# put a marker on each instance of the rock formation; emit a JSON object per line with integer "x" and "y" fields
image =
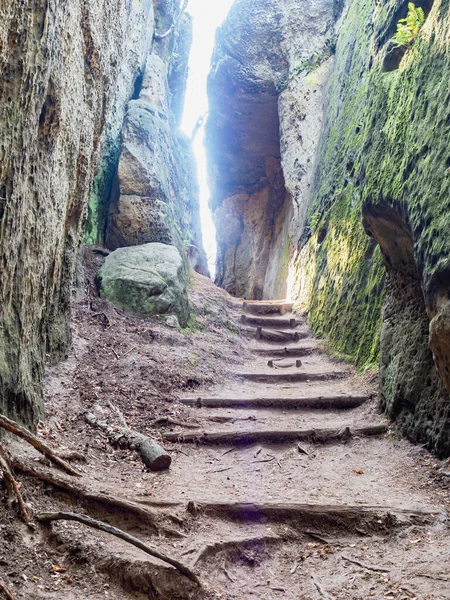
{"x": 70, "y": 73}
{"x": 262, "y": 132}
{"x": 362, "y": 145}
{"x": 153, "y": 196}
{"x": 67, "y": 71}
{"x": 147, "y": 279}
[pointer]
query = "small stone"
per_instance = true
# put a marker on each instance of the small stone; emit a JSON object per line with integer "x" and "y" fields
{"x": 172, "y": 321}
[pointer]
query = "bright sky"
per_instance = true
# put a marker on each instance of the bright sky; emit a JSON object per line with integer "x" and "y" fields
{"x": 207, "y": 15}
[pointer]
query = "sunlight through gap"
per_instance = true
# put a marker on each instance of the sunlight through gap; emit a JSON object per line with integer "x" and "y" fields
{"x": 207, "y": 17}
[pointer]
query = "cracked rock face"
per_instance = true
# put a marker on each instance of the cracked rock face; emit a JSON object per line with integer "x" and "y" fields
{"x": 67, "y": 71}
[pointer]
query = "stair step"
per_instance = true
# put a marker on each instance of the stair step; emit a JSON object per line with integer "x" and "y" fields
{"x": 265, "y": 307}
{"x": 240, "y": 438}
{"x": 317, "y": 402}
{"x": 269, "y": 322}
{"x": 285, "y": 352}
{"x": 282, "y": 377}
{"x": 274, "y": 335}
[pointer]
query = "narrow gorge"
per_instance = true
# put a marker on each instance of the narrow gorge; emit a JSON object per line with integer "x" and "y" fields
{"x": 285, "y": 430}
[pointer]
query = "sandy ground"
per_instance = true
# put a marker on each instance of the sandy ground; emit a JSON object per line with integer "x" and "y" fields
{"x": 143, "y": 368}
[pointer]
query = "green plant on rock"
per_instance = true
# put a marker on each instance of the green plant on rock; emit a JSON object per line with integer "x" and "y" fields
{"x": 409, "y": 27}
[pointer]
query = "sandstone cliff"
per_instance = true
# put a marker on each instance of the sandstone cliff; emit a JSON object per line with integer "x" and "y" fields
{"x": 363, "y": 150}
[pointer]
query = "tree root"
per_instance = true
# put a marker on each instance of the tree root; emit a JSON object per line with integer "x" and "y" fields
{"x": 11, "y": 484}
{"x": 152, "y": 454}
{"x": 6, "y": 591}
{"x": 99, "y": 525}
{"x": 269, "y": 435}
{"x": 79, "y": 492}
{"x": 363, "y": 566}
{"x": 23, "y": 433}
{"x": 320, "y": 589}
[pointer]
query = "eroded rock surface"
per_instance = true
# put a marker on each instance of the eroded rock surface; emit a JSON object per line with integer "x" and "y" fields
{"x": 149, "y": 279}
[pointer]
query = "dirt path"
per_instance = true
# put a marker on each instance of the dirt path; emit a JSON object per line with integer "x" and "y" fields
{"x": 298, "y": 503}
{"x": 261, "y": 542}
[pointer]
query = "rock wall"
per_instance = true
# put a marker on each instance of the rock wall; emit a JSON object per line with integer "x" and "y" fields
{"x": 152, "y": 194}
{"x": 67, "y": 71}
{"x": 265, "y": 113}
{"x": 364, "y": 152}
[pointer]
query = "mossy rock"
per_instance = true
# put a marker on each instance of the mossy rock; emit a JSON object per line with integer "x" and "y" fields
{"x": 146, "y": 280}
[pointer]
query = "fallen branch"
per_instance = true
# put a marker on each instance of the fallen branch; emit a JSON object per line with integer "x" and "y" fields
{"x": 100, "y": 526}
{"x": 152, "y": 454}
{"x": 435, "y": 577}
{"x": 118, "y": 412}
{"x": 23, "y": 433}
{"x": 363, "y": 566}
{"x": 161, "y": 36}
{"x": 11, "y": 484}
{"x": 315, "y": 402}
{"x": 6, "y": 591}
{"x": 272, "y": 435}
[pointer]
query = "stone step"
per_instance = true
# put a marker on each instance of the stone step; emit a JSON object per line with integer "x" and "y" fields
{"x": 265, "y": 307}
{"x": 277, "y": 322}
{"x": 310, "y": 403}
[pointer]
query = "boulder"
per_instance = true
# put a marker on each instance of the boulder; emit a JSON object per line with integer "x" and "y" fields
{"x": 146, "y": 280}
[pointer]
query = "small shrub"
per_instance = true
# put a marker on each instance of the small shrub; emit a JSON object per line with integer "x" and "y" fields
{"x": 409, "y": 27}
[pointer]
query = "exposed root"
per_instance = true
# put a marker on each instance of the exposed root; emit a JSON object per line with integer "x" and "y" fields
{"x": 363, "y": 566}
{"x": 174, "y": 422}
{"x": 26, "y": 435}
{"x": 6, "y": 591}
{"x": 99, "y": 525}
{"x": 81, "y": 493}
{"x": 11, "y": 484}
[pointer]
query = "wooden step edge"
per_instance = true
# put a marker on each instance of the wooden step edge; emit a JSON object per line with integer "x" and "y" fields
{"x": 277, "y": 377}
{"x": 243, "y": 438}
{"x": 315, "y": 402}
{"x": 286, "y": 352}
{"x": 271, "y": 322}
